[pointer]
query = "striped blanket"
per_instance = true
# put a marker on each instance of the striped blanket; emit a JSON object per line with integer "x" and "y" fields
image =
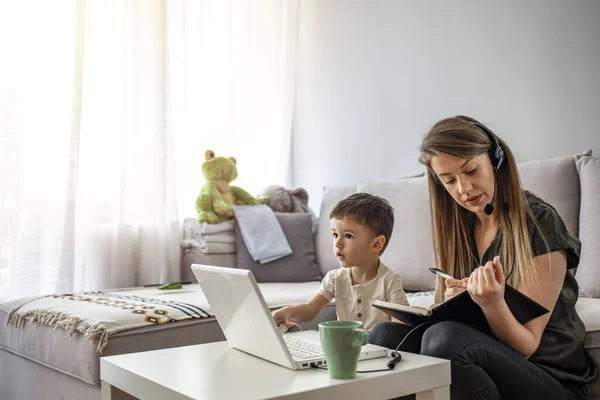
{"x": 98, "y": 315}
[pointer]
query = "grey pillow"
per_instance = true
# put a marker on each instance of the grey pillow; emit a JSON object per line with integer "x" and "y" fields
{"x": 300, "y": 266}
{"x": 545, "y": 177}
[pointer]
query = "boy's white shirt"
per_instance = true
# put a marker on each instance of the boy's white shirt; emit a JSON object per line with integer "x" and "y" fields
{"x": 354, "y": 302}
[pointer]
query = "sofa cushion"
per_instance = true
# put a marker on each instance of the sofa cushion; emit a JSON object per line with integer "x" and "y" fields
{"x": 323, "y": 237}
{"x": 543, "y": 177}
{"x": 588, "y": 272}
{"x": 410, "y": 251}
{"x": 300, "y": 266}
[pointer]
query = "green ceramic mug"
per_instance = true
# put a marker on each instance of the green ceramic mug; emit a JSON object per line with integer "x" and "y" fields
{"x": 341, "y": 342}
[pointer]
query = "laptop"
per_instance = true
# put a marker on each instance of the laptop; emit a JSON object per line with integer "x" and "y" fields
{"x": 247, "y": 323}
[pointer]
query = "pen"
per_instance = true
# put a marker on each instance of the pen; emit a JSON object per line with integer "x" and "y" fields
{"x": 441, "y": 273}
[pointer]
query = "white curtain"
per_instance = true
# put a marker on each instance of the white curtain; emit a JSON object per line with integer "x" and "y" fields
{"x": 106, "y": 109}
{"x": 233, "y": 89}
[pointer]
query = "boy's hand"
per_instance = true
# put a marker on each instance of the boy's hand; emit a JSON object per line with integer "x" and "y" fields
{"x": 283, "y": 316}
{"x": 454, "y": 287}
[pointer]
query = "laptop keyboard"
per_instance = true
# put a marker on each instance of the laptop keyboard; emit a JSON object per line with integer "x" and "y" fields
{"x": 302, "y": 348}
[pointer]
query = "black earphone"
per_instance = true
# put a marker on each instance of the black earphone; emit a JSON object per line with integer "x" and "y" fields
{"x": 496, "y": 153}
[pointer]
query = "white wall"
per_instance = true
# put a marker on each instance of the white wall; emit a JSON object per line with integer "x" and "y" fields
{"x": 373, "y": 76}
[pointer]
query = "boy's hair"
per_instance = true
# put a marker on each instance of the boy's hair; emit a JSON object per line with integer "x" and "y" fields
{"x": 371, "y": 211}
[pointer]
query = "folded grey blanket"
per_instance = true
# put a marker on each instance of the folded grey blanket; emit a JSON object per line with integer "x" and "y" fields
{"x": 262, "y": 233}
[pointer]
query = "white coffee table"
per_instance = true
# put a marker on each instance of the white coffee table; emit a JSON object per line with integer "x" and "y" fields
{"x": 214, "y": 371}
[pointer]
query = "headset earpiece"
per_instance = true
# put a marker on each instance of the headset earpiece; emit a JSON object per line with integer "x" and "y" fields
{"x": 496, "y": 152}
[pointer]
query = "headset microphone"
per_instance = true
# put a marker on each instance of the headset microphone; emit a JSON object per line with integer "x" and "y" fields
{"x": 496, "y": 153}
{"x": 489, "y": 207}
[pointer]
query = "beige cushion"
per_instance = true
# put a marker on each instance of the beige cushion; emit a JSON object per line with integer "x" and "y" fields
{"x": 410, "y": 251}
{"x": 588, "y": 272}
{"x": 556, "y": 181}
{"x": 323, "y": 238}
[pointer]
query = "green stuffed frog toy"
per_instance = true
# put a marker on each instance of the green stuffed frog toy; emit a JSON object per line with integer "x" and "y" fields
{"x": 217, "y": 198}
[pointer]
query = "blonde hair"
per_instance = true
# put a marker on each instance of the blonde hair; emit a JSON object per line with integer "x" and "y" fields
{"x": 452, "y": 225}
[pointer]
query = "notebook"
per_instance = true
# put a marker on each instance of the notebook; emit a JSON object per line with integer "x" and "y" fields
{"x": 462, "y": 308}
{"x": 247, "y": 323}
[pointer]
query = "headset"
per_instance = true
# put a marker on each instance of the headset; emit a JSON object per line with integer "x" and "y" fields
{"x": 496, "y": 153}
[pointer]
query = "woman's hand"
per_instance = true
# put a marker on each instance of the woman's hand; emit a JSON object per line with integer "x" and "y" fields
{"x": 454, "y": 287}
{"x": 486, "y": 284}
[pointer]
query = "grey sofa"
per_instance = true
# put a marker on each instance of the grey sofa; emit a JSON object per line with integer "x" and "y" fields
{"x": 67, "y": 367}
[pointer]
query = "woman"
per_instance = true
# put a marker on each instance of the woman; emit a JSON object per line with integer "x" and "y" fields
{"x": 488, "y": 231}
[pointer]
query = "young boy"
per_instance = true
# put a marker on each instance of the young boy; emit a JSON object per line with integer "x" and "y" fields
{"x": 361, "y": 225}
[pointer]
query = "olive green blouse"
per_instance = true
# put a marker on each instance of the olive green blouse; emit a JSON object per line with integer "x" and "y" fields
{"x": 561, "y": 351}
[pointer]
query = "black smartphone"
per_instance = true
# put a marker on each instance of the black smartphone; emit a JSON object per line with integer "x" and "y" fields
{"x": 441, "y": 273}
